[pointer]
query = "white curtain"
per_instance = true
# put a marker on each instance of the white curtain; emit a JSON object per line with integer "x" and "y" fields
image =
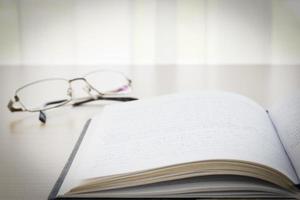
{"x": 149, "y": 32}
{"x": 251, "y": 46}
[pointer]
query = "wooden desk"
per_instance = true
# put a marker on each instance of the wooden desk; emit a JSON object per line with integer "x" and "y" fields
{"x": 32, "y": 155}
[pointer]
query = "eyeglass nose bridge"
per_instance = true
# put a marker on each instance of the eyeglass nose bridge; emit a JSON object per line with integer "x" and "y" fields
{"x": 88, "y": 87}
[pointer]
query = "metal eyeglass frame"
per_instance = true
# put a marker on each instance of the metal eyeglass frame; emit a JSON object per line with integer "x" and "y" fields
{"x": 62, "y": 102}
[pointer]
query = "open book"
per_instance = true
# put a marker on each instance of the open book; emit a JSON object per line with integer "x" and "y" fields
{"x": 189, "y": 145}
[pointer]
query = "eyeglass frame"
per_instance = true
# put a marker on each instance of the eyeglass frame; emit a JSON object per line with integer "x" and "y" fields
{"x": 100, "y": 95}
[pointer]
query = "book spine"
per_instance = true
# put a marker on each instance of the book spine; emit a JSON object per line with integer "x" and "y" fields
{"x": 59, "y": 182}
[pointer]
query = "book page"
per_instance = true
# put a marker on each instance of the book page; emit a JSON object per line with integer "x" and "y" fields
{"x": 200, "y": 185}
{"x": 286, "y": 118}
{"x": 176, "y": 129}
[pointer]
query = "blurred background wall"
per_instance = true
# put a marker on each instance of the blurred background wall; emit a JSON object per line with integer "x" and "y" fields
{"x": 247, "y": 46}
{"x": 147, "y": 32}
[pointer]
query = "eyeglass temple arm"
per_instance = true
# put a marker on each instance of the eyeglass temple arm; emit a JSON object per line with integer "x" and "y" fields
{"x": 92, "y": 99}
{"x": 105, "y": 98}
{"x": 55, "y": 102}
{"x": 42, "y": 115}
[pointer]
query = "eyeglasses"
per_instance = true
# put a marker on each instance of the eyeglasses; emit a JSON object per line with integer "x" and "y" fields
{"x": 50, "y": 93}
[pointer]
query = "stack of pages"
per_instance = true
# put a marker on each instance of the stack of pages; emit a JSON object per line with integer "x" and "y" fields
{"x": 189, "y": 145}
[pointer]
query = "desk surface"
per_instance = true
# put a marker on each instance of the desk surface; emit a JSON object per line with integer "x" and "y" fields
{"x": 32, "y": 155}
